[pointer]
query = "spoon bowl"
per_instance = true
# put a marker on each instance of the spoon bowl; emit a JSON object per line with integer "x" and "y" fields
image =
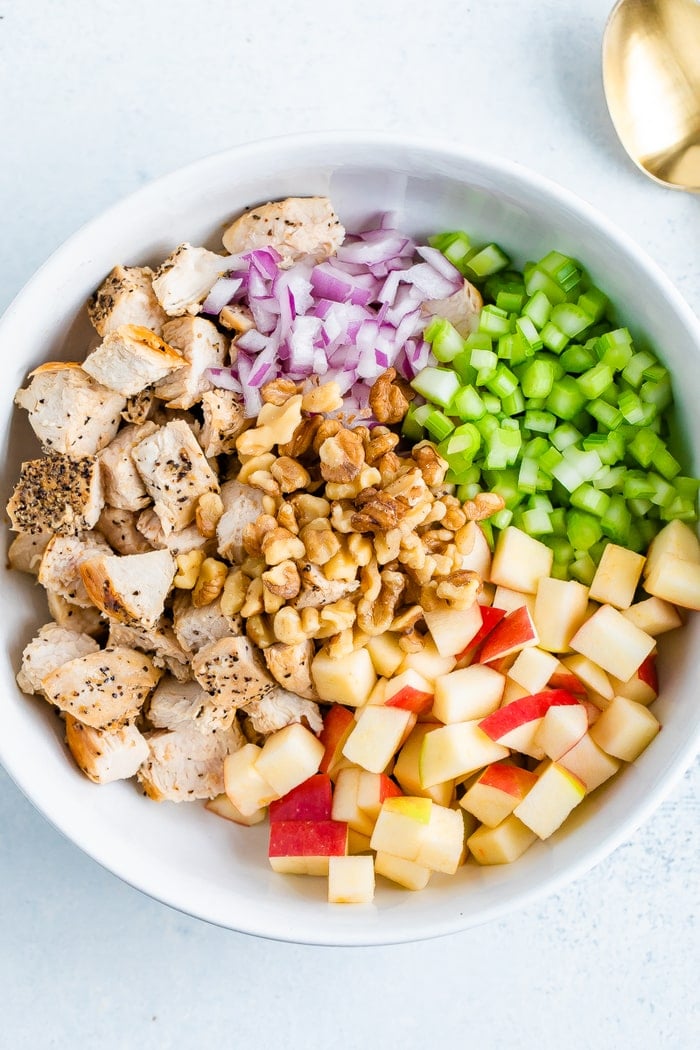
{"x": 651, "y": 77}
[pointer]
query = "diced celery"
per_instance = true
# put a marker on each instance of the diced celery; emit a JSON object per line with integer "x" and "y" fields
{"x": 633, "y": 372}
{"x": 594, "y": 302}
{"x": 542, "y": 422}
{"x": 527, "y": 331}
{"x": 553, "y": 338}
{"x": 538, "y": 308}
{"x": 494, "y": 321}
{"x": 511, "y": 300}
{"x": 537, "y": 377}
{"x": 643, "y": 446}
{"x": 565, "y": 434}
{"x": 503, "y": 382}
{"x": 583, "y": 569}
{"x": 605, "y": 414}
{"x": 527, "y": 477}
{"x": 630, "y": 406}
{"x": 444, "y": 338}
{"x": 513, "y": 404}
{"x": 578, "y": 358}
{"x": 438, "y": 425}
{"x": 571, "y": 319}
{"x": 501, "y": 519}
{"x": 582, "y": 529}
{"x": 438, "y": 385}
{"x": 595, "y": 380}
{"x": 454, "y": 246}
{"x": 489, "y": 259}
{"x": 566, "y": 398}
{"x": 588, "y": 498}
{"x": 536, "y": 522}
{"x": 468, "y": 404}
{"x": 550, "y": 459}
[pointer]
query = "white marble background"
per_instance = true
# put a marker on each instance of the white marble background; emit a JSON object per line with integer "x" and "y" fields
{"x": 95, "y": 99}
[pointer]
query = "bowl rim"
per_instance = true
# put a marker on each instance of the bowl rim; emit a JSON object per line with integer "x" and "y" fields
{"x": 277, "y": 147}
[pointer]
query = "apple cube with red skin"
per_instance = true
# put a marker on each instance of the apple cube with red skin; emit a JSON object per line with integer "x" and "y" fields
{"x": 612, "y": 642}
{"x": 222, "y": 806}
{"x": 519, "y": 561}
{"x": 589, "y": 763}
{"x": 497, "y": 792}
{"x": 453, "y": 630}
{"x": 310, "y": 800}
{"x": 351, "y": 880}
{"x": 490, "y": 618}
{"x": 512, "y": 634}
{"x": 560, "y": 609}
{"x": 409, "y": 691}
{"x": 502, "y": 844}
{"x": 516, "y": 724}
{"x": 303, "y": 847}
{"x": 338, "y": 723}
{"x": 468, "y": 693}
{"x": 564, "y": 678}
{"x": 561, "y": 728}
{"x": 549, "y": 802}
{"x": 372, "y": 789}
{"x": 625, "y": 729}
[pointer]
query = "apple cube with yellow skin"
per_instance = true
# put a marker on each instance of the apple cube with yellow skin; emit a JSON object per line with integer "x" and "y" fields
{"x": 589, "y": 763}
{"x": 453, "y": 629}
{"x": 351, "y": 880}
{"x": 676, "y": 539}
{"x": 560, "y": 609}
{"x": 612, "y": 642}
{"x": 549, "y": 802}
{"x": 427, "y": 662}
{"x": 654, "y": 616}
{"x": 401, "y": 826}
{"x": 456, "y": 750}
{"x": 675, "y": 581}
{"x": 405, "y": 873}
{"x": 377, "y": 736}
{"x": 468, "y": 693}
{"x": 407, "y": 769}
{"x": 304, "y": 847}
{"x": 345, "y": 806}
{"x": 625, "y": 729}
{"x": 345, "y": 679}
{"x": 474, "y": 549}
{"x": 244, "y": 784}
{"x": 502, "y": 844}
{"x": 497, "y": 792}
{"x": 533, "y": 668}
{"x": 617, "y": 576}
{"x": 560, "y": 729}
{"x": 224, "y": 807}
{"x": 386, "y": 653}
{"x": 442, "y": 846}
{"x": 519, "y": 561}
{"x": 288, "y": 757}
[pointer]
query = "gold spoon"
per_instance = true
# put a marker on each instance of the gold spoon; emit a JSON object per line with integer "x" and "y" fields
{"x": 651, "y": 76}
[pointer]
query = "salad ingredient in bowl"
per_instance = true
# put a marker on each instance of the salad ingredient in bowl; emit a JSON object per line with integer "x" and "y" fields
{"x": 349, "y": 531}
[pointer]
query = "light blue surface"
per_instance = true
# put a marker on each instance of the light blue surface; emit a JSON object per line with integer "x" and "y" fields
{"x": 99, "y": 98}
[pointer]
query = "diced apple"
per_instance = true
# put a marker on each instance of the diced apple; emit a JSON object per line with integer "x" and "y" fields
{"x": 452, "y": 630}
{"x": 303, "y": 847}
{"x": 289, "y": 756}
{"x": 497, "y": 792}
{"x": 613, "y": 642}
{"x": 625, "y": 729}
{"x": 675, "y": 581}
{"x": 224, "y": 807}
{"x": 455, "y": 751}
{"x": 516, "y": 725}
{"x": 377, "y": 736}
{"x": 407, "y": 771}
{"x": 345, "y": 806}
{"x": 564, "y": 678}
{"x": 549, "y": 802}
{"x": 373, "y": 788}
{"x": 590, "y": 674}
{"x": 344, "y": 680}
{"x": 338, "y": 722}
{"x": 502, "y": 844}
{"x": 515, "y": 632}
{"x": 357, "y": 843}
{"x": 654, "y": 616}
{"x": 490, "y": 618}
{"x": 508, "y": 600}
{"x": 310, "y": 800}
{"x": 442, "y": 846}
{"x": 401, "y": 826}
{"x": 513, "y": 691}
{"x": 519, "y": 561}
{"x": 377, "y": 698}
{"x": 677, "y": 539}
{"x": 533, "y": 668}
{"x": 589, "y": 763}
{"x": 427, "y": 662}
{"x": 386, "y": 653}
{"x": 643, "y": 686}
{"x": 405, "y": 873}
{"x": 244, "y": 784}
{"x": 617, "y": 576}
{"x": 468, "y": 693}
{"x": 410, "y": 691}
{"x": 474, "y": 549}
{"x": 560, "y": 610}
{"x": 561, "y": 728}
{"x": 351, "y": 880}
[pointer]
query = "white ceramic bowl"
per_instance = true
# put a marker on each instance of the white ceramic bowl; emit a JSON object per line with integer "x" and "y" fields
{"x": 180, "y": 854}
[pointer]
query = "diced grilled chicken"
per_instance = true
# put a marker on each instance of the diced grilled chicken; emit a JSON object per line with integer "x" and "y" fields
{"x": 126, "y": 296}
{"x": 183, "y": 281}
{"x": 188, "y": 539}
{"x": 175, "y": 704}
{"x": 175, "y": 472}
{"x": 242, "y": 506}
{"x": 26, "y": 551}
{"x": 231, "y": 671}
{"x": 196, "y": 627}
{"x": 104, "y": 689}
{"x": 462, "y": 308}
{"x": 290, "y": 665}
{"x": 295, "y": 227}
{"x": 130, "y": 358}
{"x": 106, "y": 755}
{"x": 185, "y": 764}
{"x": 317, "y": 591}
{"x": 224, "y": 420}
{"x": 130, "y": 588}
{"x": 237, "y": 318}
{"x": 60, "y": 567}
{"x": 57, "y": 494}
{"x": 139, "y": 406}
{"x": 121, "y": 481}
{"x": 83, "y": 620}
{"x": 119, "y": 529}
{"x": 203, "y": 346}
{"x": 49, "y": 650}
{"x": 68, "y": 410}
{"x": 159, "y": 642}
{"x": 280, "y": 708}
